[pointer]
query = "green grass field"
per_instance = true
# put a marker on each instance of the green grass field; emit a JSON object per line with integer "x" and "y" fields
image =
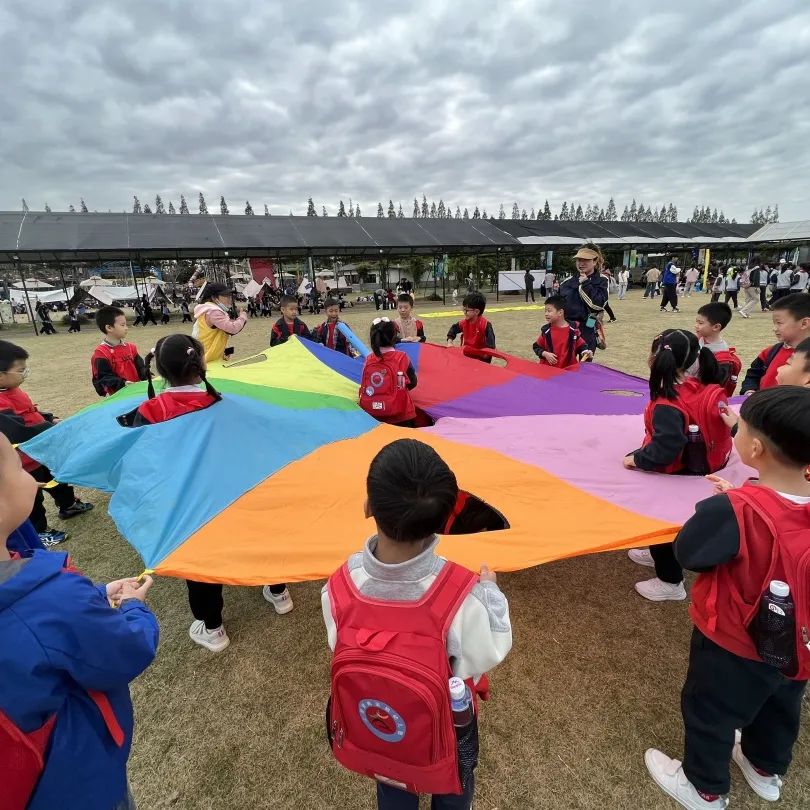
{"x": 593, "y": 680}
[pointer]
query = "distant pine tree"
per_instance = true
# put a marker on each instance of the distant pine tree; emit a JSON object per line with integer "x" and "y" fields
{"x": 515, "y": 211}
{"x": 323, "y": 211}
{"x": 159, "y": 207}
{"x": 625, "y": 215}
{"x": 171, "y": 208}
{"x": 380, "y": 212}
{"x": 610, "y": 212}
{"x": 564, "y": 212}
{"x": 400, "y": 212}
{"x": 425, "y": 209}
{"x": 633, "y": 211}
{"x": 24, "y": 206}
{"x": 768, "y": 213}
{"x": 357, "y": 210}
{"x": 136, "y": 206}
{"x": 547, "y": 212}
{"x": 579, "y": 215}
{"x": 223, "y": 206}
{"x": 501, "y": 212}
{"x": 266, "y": 210}
{"x": 147, "y": 209}
{"x": 476, "y": 213}
{"x": 341, "y": 209}
{"x": 523, "y": 214}
{"x": 458, "y": 213}
{"x": 351, "y": 207}
{"x": 203, "y": 206}
{"x": 714, "y": 216}
{"x": 84, "y": 207}
{"x": 392, "y": 213}
{"x": 72, "y": 209}
{"x": 183, "y": 205}
{"x": 484, "y": 214}
{"x": 415, "y": 214}
{"x": 311, "y": 212}
{"x": 440, "y": 212}
{"x": 47, "y": 208}
{"x": 775, "y": 215}
{"x": 532, "y": 214}
{"x": 432, "y": 210}
{"x": 603, "y": 216}
{"x": 248, "y": 209}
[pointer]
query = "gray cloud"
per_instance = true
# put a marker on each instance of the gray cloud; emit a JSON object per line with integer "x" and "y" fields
{"x": 479, "y": 103}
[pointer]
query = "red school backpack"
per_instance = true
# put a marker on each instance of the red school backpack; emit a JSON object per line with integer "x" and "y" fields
{"x": 789, "y": 526}
{"x": 731, "y": 365}
{"x": 389, "y": 715}
{"x": 380, "y": 393}
{"x": 700, "y": 405}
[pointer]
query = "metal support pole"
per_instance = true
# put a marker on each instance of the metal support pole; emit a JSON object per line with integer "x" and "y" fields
{"x": 27, "y": 299}
{"x": 64, "y": 286}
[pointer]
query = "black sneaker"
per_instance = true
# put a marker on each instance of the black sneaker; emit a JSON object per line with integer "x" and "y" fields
{"x": 78, "y": 508}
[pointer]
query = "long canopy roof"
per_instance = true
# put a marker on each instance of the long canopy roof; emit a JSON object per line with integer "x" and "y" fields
{"x": 36, "y": 236}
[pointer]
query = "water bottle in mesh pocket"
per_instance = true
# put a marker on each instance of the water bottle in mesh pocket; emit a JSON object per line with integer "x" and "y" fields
{"x": 467, "y": 743}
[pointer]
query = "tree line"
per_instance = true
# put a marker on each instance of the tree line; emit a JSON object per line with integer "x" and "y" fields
{"x": 568, "y": 212}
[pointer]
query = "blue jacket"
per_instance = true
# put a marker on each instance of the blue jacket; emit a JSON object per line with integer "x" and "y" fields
{"x": 669, "y": 277}
{"x": 595, "y": 288}
{"x": 59, "y": 641}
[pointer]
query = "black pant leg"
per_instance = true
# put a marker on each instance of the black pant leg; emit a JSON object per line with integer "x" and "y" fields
{"x": 63, "y": 494}
{"x": 722, "y": 692}
{"x": 768, "y": 741}
{"x": 763, "y": 294}
{"x": 37, "y": 517}
{"x": 609, "y": 311}
{"x": 206, "y": 603}
{"x": 391, "y": 798}
{"x": 276, "y": 590}
{"x": 667, "y": 568}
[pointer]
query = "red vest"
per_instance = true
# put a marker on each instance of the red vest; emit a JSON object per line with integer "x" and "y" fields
{"x": 121, "y": 358}
{"x": 20, "y": 404}
{"x": 473, "y": 335}
{"x": 169, "y": 404}
{"x": 777, "y": 360}
{"x": 699, "y": 405}
{"x": 774, "y": 544}
{"x": 389, "y": 715}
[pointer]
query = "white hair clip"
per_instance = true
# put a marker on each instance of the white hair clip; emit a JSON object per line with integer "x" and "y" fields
{"x": 189, "y": 350}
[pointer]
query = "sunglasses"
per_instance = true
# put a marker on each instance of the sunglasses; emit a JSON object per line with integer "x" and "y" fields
{"x": 380, "y": 320}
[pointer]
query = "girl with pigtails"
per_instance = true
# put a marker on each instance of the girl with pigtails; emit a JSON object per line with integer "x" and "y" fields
{"x": 180, "y": 361}
{"x": 684, "y": 434}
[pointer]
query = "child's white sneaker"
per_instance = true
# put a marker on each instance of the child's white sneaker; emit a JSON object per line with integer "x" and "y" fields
{"x": 657, "y": 591}
{"x": 215, "y": 640}
{"x": 766, "y": 787}
{"x": 641, "y": 556}
{"x": 669, "y": 776}
{"x": 281, "y": 602}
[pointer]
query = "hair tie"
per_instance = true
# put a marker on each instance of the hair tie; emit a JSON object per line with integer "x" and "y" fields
{"x": 152, "y": 350}
{"x": 667, "y": 346}
{"x": 190, "y": 350}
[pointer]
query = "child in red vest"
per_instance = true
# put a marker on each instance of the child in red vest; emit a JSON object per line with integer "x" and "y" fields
{"x": 327, "y": 333}
{"x": 791, "y": 325}
{"x": 710, "y": 321}
{"x": 114, "y": 362}
{"x": 289, "y": 323}
{"x": 683, "y": 394}
{"x": 475, "y": 330}
{"x": 739, "y": 541}
{"x": 180, "y": 361}
{"x": 559, "y": 343}
{"x": 415, "y": 619}
{"x": 409, "y": 329}
{"x": 21, "y": 420}
{"x": 388, "y": 377}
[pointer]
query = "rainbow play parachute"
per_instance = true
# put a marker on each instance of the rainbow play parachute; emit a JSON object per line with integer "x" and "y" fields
{"x": 268, "y": 485}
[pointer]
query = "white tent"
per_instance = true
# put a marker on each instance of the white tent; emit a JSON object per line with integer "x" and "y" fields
{"x": 46, "y": 297}
{"x": 34, "y": 284}
{"x": 95, "y": 281}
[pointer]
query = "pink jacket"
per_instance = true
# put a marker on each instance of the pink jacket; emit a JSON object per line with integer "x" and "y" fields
{"x": 217, "y": 319}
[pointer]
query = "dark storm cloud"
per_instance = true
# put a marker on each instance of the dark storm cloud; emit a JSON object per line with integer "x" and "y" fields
{"x": 477, "y": 103}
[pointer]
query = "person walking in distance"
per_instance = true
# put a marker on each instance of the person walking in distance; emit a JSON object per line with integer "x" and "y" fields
{"x": 669, "y": 281}
{"x": 732, "y": 286}
{"x": 691, "y": 279}
{"x": 749, "y": 284}
{"x": 624, "y": 281}
{"x": 528, "y": 280}
{"x": 652, "y": 275}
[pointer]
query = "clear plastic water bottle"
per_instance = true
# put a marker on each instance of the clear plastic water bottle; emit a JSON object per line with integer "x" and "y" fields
{"x": 776, "y": 626}
{"x": 460, "y": 703}
{"x": 695, "y": 451}
{"x": 400, "y": 379}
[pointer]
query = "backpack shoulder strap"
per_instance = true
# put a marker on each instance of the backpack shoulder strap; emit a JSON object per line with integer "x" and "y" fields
{"x": 774, "y": 350}
{"x": 764, "y": 501}
{"x": 447, "y": 593}
{"x": 340, "y": 589}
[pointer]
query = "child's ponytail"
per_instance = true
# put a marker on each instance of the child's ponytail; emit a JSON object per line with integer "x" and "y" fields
{"x": 673, "y": 352}
{"x": 708, "y": 367}
{"x": 383, "y": 334}
{"x": 148, "y": 363}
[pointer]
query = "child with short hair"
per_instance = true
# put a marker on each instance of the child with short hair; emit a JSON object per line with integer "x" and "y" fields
{"x": 475, "y": 330}
{"x": 67, "y": 659}
{"x": 411, "y": 493}
{"x": 327, "y": 333}
{"x": 710, "y": 321}
{"x": 409, "y": 329}
{"x": 683, "y": 390}
{"x": 738, "y": 541}
{"x": 180, "y": 361}
{"x": 213, "y": 324}
{"x": 21, "y": 420}
{"x": 388, "y": 378}
{"x": 114, "y": 362}
{"x": 791, "y": 325}
{"x": 559, "y": 343}
{"x": 289, "y": 323}
{"x": 796, "y": 369}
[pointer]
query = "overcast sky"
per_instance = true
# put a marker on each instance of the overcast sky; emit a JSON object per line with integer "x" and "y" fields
{"x": 476, "y": 102}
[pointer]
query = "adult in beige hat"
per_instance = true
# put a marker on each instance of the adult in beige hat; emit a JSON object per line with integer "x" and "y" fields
{"x": 586, "y": 293}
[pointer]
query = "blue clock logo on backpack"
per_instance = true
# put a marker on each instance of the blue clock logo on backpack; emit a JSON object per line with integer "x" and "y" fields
{"x": 381, "y": 720}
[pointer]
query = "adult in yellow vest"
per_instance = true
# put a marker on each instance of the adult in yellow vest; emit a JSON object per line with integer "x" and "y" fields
{"x": 212, "y": 323}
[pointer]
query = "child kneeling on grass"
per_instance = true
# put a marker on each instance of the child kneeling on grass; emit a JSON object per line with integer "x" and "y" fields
{"x": 67, "y": 659}
{"x": 734, "y": 705}
{"x": 401, "y": 620}
{"x": 180, "y": 361}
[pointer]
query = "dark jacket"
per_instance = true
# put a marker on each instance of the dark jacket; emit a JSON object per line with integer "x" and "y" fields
{"x": 595, "y": 288}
